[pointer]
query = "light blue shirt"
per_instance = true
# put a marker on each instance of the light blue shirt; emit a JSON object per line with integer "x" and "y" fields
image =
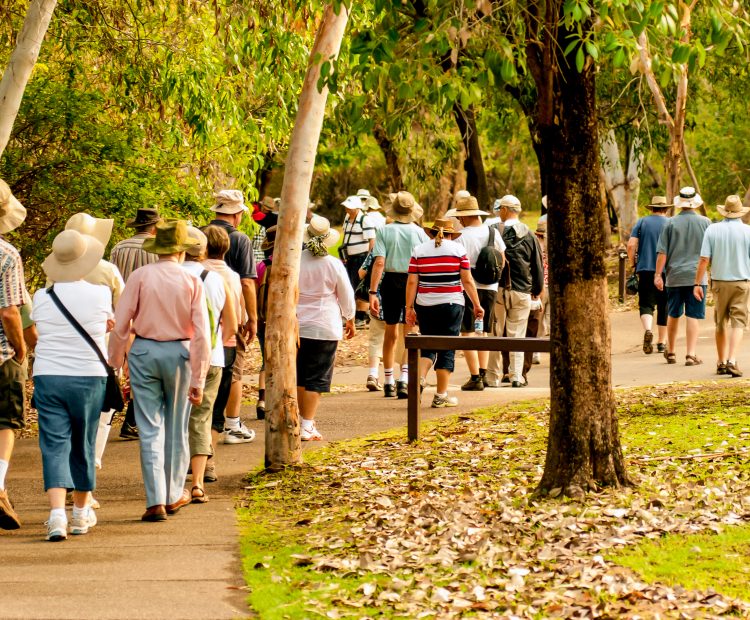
{"x": 395, "y": 242}
{"x": 727, "y": 244}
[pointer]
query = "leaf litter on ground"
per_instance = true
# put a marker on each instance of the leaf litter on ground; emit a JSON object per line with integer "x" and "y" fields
{"x": 450, "y": 526}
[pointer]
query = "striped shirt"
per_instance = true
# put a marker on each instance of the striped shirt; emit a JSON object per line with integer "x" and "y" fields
{"x": 11, "y": 290}
{"x": 439, "y": 271}
{"x": 357, "y": 235}
{"x": 128, "y": 255}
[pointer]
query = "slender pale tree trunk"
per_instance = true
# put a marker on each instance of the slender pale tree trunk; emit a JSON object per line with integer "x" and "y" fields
{"x": 623, "y": 187}
{"x": 282, "y": 415}
{"x": 21, "y": 64}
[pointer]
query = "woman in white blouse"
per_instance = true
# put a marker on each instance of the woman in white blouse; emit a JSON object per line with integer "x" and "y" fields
{"x": 70, "y": 379}
{"x": 325, "y": 295}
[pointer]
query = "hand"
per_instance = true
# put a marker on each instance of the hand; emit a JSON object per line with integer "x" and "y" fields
{"x": 195, "y": 395}
{"x": 250, "y": 329}
{"x": 478, "y": 312}
{"x": 698, "y": 293}
{"x": 411, "y": 317}
{"x": 349, "y": 329}
{"x": 374, "y": 305}
{"x": 658, "y": 282}
{"x": 20, "y": 355}
{"x": 110, "y": 325}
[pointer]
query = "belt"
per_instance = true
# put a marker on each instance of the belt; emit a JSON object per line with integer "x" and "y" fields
{"x": 154, "y": 339}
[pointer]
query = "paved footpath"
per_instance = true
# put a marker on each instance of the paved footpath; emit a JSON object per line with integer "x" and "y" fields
{"x": 189, "y": 567}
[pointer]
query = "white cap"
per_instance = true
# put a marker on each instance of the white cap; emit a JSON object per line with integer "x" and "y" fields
{"x": 352, "y": 202}
{"x": 509, "y": 201}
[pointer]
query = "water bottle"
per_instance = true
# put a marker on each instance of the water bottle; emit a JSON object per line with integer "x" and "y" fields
{"x": 479, "y": 326}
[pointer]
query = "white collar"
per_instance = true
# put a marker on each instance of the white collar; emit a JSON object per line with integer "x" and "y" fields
{"x": 511, "y": 220}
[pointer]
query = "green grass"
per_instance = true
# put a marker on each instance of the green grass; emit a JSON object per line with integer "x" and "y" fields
{"x": 701, "y": 561}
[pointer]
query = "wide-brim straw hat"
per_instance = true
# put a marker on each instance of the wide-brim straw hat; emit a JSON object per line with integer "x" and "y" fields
{"x": 143, "y": 218}
{"x": 402, "y": 208}
{"x": 688, "y": 198}
{"x": 270, "y": 239}
{"x": 444, "y": 224}
{"x": 197, "y": 234}
{"x": 12, "y": 212}
{"x": 74, "y": 256}
{"x": 732, "y": 207}
{"x": 466, "y": 206}
{"x": 267, "y": 204}
{"x": 658, "y": 202}
{"x": 98, "y": 228}
{"x": 171, "y": 237}
{"x": 229, "y": 202}
{"x": 321, "y": 227}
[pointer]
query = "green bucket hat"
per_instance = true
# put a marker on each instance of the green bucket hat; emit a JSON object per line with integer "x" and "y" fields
{"x": 171, "y": 238}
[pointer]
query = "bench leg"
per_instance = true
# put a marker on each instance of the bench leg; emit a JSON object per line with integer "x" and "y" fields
{"x": 413, "y": 402}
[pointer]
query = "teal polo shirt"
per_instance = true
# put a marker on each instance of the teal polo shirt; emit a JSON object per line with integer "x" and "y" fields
{"x": 395, "y": 243}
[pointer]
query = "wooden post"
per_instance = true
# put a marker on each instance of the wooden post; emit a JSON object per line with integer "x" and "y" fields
{"x": 414, "y": 395}
{"x": 283, "y": 445}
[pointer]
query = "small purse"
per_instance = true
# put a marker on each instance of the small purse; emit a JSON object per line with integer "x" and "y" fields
{"x": 113, "y": 394}
{"x": 631, "y": 284}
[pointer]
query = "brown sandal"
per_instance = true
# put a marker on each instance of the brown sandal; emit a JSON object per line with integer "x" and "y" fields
{"x": 670, "y": 357}
{"x": 692, "y": 360}
{"x": 201, "y": 498}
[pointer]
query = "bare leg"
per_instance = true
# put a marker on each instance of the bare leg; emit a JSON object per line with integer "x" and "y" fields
{"x": 443, "y": 376}
{"x": 7, "y": 441}
{"x": 735, "y": 338}
{"x": 472, "y": 357}
{"x": 234, "y": 401}
{"x": 389, "y": 345}
{"x": 662, "y": 337}
{"x": 672, "y": 326}
{"x": 198, "y": 466}
{"x": 691, "y": 333}
{"x": 308, "y": 403}
{"x": 721, "y": 346}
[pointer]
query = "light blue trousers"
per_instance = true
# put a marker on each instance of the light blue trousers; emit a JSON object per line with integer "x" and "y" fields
{"x": 160, "y": 378}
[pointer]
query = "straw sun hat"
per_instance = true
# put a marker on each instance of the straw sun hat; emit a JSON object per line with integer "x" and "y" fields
{"x": 320, "y": 227}
{"x": 98, "y": 228}
{"x": 732, "y": 207}
{"x": 73, "y": 256}
{"x": 658, "y": 202}
{"x": 171, "y": 237}
{"x": 229, "y": 202}
{"x": 403, "y": 208}
{"x": 465, "y": 206}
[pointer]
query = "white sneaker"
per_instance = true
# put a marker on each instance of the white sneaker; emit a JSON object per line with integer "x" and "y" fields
{"x": 82, "y": 524}
{"x": 536, "y": 358}
{"x": 440, "y": 402}
{"x": 57, "y": 529}
{"x": 240, "y": 435}
{"x": 309, "y": 435}
{"x": 94, "y": 503}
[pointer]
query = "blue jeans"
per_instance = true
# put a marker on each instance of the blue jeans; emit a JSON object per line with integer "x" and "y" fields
{"x": 69, "y": 409}
{"x": 160, "y": 378}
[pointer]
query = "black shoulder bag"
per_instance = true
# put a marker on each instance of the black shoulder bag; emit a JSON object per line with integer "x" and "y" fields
{"x": 113, "y": 394}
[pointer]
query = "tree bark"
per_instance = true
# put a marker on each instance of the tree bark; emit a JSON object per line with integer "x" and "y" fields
{"x": 283, "y": 445}
{"x": 265, "y": 174}
{"x": 623, "y": 187}
{"x": 476, "y": 179}
{"x": 391, "y": 158}
{"x": 583, "y": 448}
{"x": 21, "y": 64}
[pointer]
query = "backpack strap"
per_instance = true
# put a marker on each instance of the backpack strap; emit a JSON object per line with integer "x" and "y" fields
{"x": 491, "y": 238}
{"x": 204, "y": 273}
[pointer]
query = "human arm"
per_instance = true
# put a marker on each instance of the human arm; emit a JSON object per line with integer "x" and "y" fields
{"x": 200, "y": 342}
{"x": 377, "y": 273}
{"x": 471, "y": 291}
{"x": 699, "y": 275}
{"x": 661, "y": 262}
{"x": 632, "y": 250}
{"x": 251, "y": 307}
{"x": 13, "y": 328}
{"x": 412, "y": 284}
{"x": 537, "y": 270}
{"x": 345, "y": 296}
{"x": 229, "y": 320}
{"x": 119, "y": 338}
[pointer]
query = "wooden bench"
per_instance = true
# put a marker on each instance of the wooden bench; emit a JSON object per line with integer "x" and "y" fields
{"x": 457, "y": 343}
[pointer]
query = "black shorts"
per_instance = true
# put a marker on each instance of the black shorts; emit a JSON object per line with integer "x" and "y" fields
{"x": 393, "y": 297}
{"x": 353, "y": 265}
{"x": 225, "y": 385}
{"x": 651, "y": 298}
{"x": 487, "y": 301}
{"x": 315, "y": 359}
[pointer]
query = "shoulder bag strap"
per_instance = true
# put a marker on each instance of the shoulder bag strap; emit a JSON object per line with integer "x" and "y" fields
{"x": 77, "y": 326}
{"x": 491, "y": 237}
{"x": 351, "y": 230}
{"x": 204, "y": 273}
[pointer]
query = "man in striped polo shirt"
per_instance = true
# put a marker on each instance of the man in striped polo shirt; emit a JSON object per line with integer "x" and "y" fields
{"x": 358, "y": 240}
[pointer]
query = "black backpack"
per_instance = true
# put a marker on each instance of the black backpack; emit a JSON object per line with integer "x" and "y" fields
{"x": 489, "y": 263}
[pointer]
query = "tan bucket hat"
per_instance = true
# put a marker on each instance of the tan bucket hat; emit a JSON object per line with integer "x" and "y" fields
{"x": 171, "y": 237}
{"x": 658, "y": 202}
{"x": 466, "y": 206}
{"x": 229, "y": 202}
{"x": 98, "y": 228}
{"x": 443, "y": 224}
{"x": 321, "y": 227}
{"x": 270, "y": 239}
{"x": 74, "y": 256}
{"x": 732, "y": 207}
{"x": 12, "y": 212}
{"x": 402, "y": 208}
{"x": 197, "y": 234}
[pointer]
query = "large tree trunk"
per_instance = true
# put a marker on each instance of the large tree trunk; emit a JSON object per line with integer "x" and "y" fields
{"x": 476, "y": 179}
{"x": 623, "y": 187}
{"x": 282, "y": 414}
{"x": 21, "y": 64}
{"x": 391, "y": 158}
{"x": 583, "y": 448}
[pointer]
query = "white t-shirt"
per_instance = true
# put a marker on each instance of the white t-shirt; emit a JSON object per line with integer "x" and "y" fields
{"x": 61, "y": 350}
{"x": 232, "y": 278}
{"x": 474, "y": 238}
{"x": 377, "y": 219}
{"x": 216, "y": 297}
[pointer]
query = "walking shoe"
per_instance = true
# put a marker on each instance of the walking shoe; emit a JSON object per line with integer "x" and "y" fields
{"x": 519, "y": 384}
{"x": 473, "y": 385}
{"x": 8, "y": 518}
{"x": 505, "y": 379}
{"x": 128, "y": 432}
{"x": 360, "y": 324}
{"x": 648, "y": 339}
{"x": 81, "y": 525}
{"x": 260, "y": 410}
{"x": 389, "y": 390}
{"x": 660, "y": 347}
{"x": 733, "y": 370}
{"x": 694, "y": 360}
{"x": 210, "y": 474}
{"x": 536, "y": 358}
{"x": 57, "y": 529}
{"x": 154, "y": 514}
{"x": 183, "y": 500}
{"x": 402, "y": 389}
{"x": 721, "y": 368}
{"x": 373, "y": 384}
{"x": 310, "y": 435}
{"x": 440, "y": 402}
{"x": 240, "y": 435}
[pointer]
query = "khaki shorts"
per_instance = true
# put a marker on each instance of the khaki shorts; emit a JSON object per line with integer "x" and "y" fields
{"x": 12, "y": 386}
{"x": 199, "y": 424}
{"x": 238, "y": 370}
{"x": 730, "y": 299}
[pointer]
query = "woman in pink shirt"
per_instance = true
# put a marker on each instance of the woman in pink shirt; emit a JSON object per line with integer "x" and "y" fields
{"x": 165, "y": 307}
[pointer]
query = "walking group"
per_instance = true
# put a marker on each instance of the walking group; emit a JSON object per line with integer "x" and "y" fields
{"x": 671, "y": 257}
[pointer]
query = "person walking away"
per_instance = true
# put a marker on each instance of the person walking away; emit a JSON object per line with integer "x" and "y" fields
{"x": 394, "y": 244}
{"x": 220, "y": 306}
{"x": 217, "y": 246}
{"x": 228, "y": 210}
{"x": 69, "y": 377}
{"x": 165, "y": 307}
{"x": 439, "y": 282}
{"x": 678, "y": 250}
{"x": 325, "y": 296}
{"x": 543, "y": 318}
{"x": 642, "y": 255}
{"x": 371, "y": 208}
{"x": 129, "y": 255}
{"x": 264, "y": 274}
{"x": 359, "y": 239}
{"x": 13, "y": 361}
{"x": 484, "y": 248}
{"x": 726, "y": 247}
{"x": 522, "y": 281}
